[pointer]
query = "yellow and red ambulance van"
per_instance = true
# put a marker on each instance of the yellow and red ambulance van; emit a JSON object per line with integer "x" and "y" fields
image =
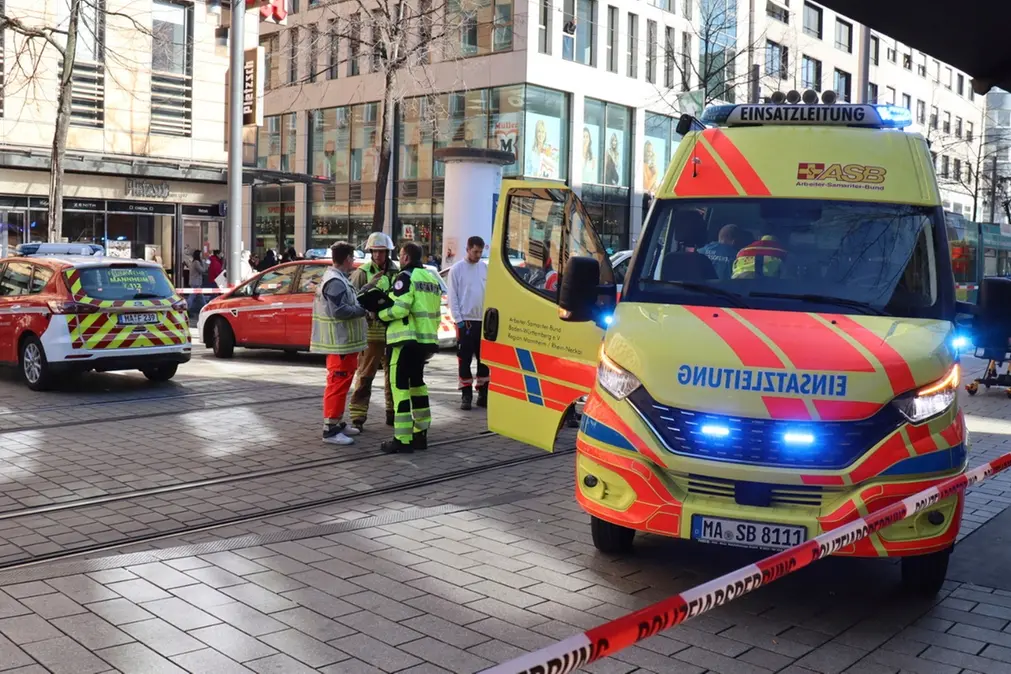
{"x": 782, "y": 359}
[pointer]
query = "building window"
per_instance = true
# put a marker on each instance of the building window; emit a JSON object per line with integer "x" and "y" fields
{"x": 354, "y": 45}
{"x": 774, "y": 11}
{"x": 313, "y": 52}
{"x": 87, "y": 99}
{"x": 582, "y": 51}
{"x": 293, "y": 56}
{"x": 425, "y": 12}
{"x": 665, "y": 5}
{"x": 334, "y": 50}
{"x": 669, "y": 56}
{"x": 777, "y": 60}
{"x": 907, "y": 102}
{"x": 872, "y": 92}
{"x": 921, "y": 112}
{"x": 844, "y": 36}
{"x": 172, "y": 69}
{"x": 810, "y": 73}
{"x": 632, "y": 69}
{"x": 945, "y": 166}
{"x": 946, "y": 126}
{"x": 891, "y": 54}
{"x": 907, "y": 62}
{"x": 612, "y": 39}
{"x": 657, "y": 148}
{"x": 686, "y": 61}
{"x": 651, "y": 52}
{"x": 843, "y": 82}
{"x": 378, "y": 48}
{"x": 956, "y": 169}
{"x": 272, "y": 62}
{"x": 330, "y": 144}
{"x": 546, "y": 125}
{"x": 686, "y": 9}
{"x": 275, "y": 147}
{"x": 606, "y": 169}
{"x": 544, "y": 27}
{"x": 933, "y": 117}
{"x": 483, "y": 27}
{"x": 968, "y": 131}
{"x": 875, "y": 49}
{"x": 947, "y": 78}
{"x": 960, "y": 84}
{"x": 812, "y": 20}
{"x": 890, "y": 93}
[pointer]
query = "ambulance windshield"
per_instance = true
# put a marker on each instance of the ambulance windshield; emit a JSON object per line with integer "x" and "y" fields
{"x": 789, "y": 254}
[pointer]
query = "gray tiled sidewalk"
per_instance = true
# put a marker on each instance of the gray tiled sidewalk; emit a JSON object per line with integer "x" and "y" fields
{"x": 455, "y": 576}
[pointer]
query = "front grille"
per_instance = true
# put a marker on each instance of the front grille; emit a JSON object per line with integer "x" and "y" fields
{"x": 761, "y": 441}
{"x": 778, "y": 494}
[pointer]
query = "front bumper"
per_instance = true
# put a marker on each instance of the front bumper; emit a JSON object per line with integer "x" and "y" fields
{"x": 639, "y": 484}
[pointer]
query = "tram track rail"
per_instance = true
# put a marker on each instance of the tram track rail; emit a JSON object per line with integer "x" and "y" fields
{"x": 128, "y": 541}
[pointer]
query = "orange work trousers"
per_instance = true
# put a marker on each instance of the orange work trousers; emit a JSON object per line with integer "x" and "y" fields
{"x": 340, "y": 372}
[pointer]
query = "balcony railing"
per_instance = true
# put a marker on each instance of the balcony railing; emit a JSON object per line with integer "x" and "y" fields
{"x": 171, "y": 104}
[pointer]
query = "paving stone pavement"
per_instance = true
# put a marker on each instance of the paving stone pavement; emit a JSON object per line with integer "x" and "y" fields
{"x": 451, "y": 576}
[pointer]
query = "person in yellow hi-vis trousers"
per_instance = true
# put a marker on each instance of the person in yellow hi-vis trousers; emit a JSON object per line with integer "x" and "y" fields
{"x": 379, "y": 272}
{"x": 412, "y": 332}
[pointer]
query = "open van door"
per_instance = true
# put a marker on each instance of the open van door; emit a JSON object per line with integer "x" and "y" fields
{"x": 540, "y": 365}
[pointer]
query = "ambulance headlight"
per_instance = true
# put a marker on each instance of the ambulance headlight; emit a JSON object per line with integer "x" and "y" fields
{"x": 930, "y": 400}
{"x": 614, "y": 379}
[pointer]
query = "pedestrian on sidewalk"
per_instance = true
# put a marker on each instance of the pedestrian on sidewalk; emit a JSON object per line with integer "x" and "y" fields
{"x": 198, "y": 276}
{"x": 412, "y": 332}
{"x": 467, "y": 279}
{"x": 338, "y": 330}
{"x": 379, "y": 272}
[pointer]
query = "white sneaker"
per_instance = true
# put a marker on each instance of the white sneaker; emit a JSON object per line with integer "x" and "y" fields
{"x": 337, "y": 439}
{"x": 349, "y": 431}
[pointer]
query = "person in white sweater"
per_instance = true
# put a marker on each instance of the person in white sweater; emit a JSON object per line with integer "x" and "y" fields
{"x": 467, "y": 279}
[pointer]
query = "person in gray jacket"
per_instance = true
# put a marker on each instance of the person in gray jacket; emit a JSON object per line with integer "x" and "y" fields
{"x": 339, "y": 331}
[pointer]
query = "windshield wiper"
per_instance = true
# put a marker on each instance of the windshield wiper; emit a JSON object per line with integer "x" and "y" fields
{"x": 825, "y": 299}
{"x": 736, "y": 299}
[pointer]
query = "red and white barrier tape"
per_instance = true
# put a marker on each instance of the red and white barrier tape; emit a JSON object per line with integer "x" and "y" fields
{"x": 609, "y": 638}
{"x": 202, "y": 291}
{"x": 967, "y": 286}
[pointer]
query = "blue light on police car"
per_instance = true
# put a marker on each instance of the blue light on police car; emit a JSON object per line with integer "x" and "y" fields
{"x": 715, "y": 431}
{"x": 798, "y": 438}
{"x": 894, "y": 117}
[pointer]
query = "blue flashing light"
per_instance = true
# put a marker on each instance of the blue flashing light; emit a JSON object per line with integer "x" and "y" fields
{"x": 959, "y": 342}
{"x": 608, "y": 319}
{"x": 715, "y": 431}
{"x": 798, "y": 438}
{"x": 894, "y": 117}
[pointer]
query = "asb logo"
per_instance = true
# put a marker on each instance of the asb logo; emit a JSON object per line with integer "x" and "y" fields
{"x": 855, "y": 174}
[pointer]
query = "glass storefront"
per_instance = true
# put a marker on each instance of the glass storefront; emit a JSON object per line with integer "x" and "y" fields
{"x": 273, "y": 218}
{"x": 275, "y": 143}
{"x": 606, "y": 150}
{"x": 657, "y": 149}
{"x": 344, "y": 149}
{"x": 529, "y": 121}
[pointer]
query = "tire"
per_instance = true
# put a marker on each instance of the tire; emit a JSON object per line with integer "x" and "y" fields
{"x": 924, "y": 575}
{"x": 161, "y": 373}
{"x": 222, "y": 339}
{"x": 611, "y": 539}
{"x": 33, "y": 364}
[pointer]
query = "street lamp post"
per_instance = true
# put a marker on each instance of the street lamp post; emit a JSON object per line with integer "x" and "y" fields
{"x": 235, "y": 70}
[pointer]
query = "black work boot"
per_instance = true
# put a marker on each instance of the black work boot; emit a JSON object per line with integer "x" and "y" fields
{"x": 395, "y": 446}
{"x": 420, "y": 441}
{"x": 482, "y": 396}
{"x": 468, "y": 398}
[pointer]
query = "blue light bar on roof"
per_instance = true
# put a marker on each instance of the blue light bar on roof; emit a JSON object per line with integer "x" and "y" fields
{"x": 866, "y": 116}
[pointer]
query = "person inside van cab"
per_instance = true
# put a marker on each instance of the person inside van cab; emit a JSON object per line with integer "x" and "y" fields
{"x": 763, "y": 258}
{"x": 723, "y": 251}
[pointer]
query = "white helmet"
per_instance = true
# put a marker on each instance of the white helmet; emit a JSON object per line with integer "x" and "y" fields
{"x": 379, "y": 241}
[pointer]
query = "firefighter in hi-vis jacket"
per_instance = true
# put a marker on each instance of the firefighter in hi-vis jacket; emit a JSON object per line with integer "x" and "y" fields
{"x": 379, "y": 272}
{"x": 412, "y": 333}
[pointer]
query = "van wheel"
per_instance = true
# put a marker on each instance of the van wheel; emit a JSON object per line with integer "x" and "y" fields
{"x": 35, "y": 368}
{"x": 222, "y": 339}
{"x": 611, "y": 539}
{"x": 161, "y": 373}
{"x": 924, "y": 575}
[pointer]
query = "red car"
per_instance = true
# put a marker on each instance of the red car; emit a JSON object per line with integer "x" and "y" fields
{"x": 273, "y": 310}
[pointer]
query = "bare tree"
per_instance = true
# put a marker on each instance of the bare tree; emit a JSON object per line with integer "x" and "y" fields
{"x": 968, "y": 167}
{"x": 402, "y": 44}
{"x": 83, "y": 17}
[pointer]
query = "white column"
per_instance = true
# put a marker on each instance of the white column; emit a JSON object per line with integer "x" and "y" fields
{"x": 576, "y": 144}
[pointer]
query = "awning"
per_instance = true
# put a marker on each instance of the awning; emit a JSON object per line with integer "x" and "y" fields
{"x": 971, "y": 35}
{"x": 261, "y": 176}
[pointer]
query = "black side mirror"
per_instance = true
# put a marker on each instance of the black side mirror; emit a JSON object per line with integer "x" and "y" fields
{"x": 992, "y": 319}
{"x": 581, "y": 298}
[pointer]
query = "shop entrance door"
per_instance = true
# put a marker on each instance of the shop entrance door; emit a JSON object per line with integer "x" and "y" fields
{"x": 14, "y": 230}
{"x": 206, "y": 236}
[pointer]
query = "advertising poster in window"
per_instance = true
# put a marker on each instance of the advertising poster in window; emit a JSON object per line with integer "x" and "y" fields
{"x": 589, "y": 153}
{"x": 654, "y": 163}
{"x": 614, "y": 153}
{"x": 506, "y": 133}
{"x": 543, "y": 139}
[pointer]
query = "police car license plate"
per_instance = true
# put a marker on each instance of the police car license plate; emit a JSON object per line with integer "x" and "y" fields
{"x": 138, "y": 319}
{"x": 746, "y": 534}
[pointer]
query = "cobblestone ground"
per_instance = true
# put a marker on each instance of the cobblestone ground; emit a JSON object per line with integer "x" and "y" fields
{"x": 298, "y": 558}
